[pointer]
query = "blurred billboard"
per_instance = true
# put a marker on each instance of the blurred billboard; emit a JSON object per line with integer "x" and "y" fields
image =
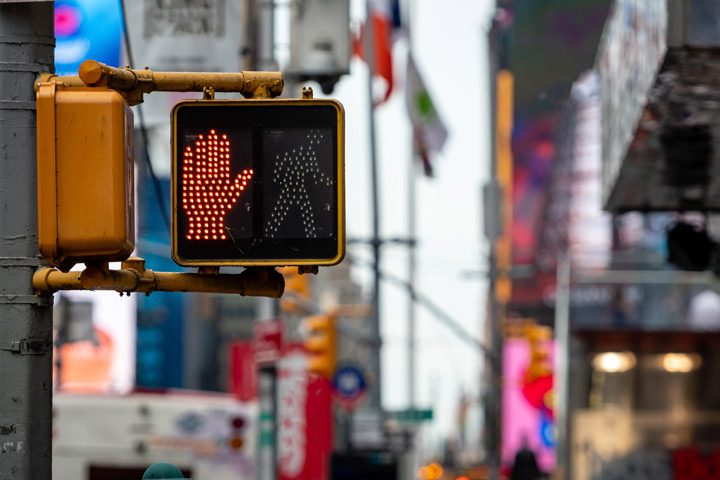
{"x": 95, "y": 342}
{"x": 527, "y": 415}
{"x": 87, "y": 29}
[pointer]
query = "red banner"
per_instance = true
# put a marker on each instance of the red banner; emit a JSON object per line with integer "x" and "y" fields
{"x": 305, "y": 419}
{"x": 268, "y": 340}
{"x": 243, "y": 370}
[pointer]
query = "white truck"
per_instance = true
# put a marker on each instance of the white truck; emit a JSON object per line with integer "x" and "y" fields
{"x": 101, "y": 437}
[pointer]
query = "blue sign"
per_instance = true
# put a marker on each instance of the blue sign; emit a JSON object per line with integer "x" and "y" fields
{"x": 349, "y": 383}
{"x": 86, "y": 29}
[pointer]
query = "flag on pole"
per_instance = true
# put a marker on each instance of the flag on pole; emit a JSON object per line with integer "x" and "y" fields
{"x": 385, "y": 17}
{"x": 429, "y": 132}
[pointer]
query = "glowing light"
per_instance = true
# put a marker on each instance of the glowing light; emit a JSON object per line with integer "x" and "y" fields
{"x": 613, "y": 362}
{"x": 207, "y": 188}
{"x": 681, "y": 362}
{"x": 433, "y": 471}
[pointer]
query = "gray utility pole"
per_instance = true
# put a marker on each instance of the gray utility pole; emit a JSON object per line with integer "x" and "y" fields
{"x": 27, "y": 45}
{"x": 562, "y": 362}
{"x": 493, "y": 218}
{"x": 375, "y": 394}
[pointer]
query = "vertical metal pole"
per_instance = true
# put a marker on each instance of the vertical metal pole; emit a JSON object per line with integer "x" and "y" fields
{"x": 26, "y": 48}
{"x": 412, "y": 269}
{"x": 374, "y": 396}
{"x": 411, "y": 317}
{"x": 412, "y": 239}
{"x": 562, "y": 357}
{"x": 410, "y": 463}
{"x": 267, "y": 393}
{"x": 262, "y": 25}
{"x": 493, "y": 371}
{"x": 265, "y": 46}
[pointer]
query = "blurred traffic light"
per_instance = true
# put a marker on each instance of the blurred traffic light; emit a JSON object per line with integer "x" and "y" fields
{"x": 538, "y": 337}
{"x": 433, "y": 471}
{"x": 236, "y": 440}
{"x": 321, "y": 344}
{"x": 85, "y": 175}
{"x": 258, "y": 182}
{"x": 297, "y": 290}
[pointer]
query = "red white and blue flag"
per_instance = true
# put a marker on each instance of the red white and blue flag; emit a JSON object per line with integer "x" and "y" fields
{"x": 385, "y": 17}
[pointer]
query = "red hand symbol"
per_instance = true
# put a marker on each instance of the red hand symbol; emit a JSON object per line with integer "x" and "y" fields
{"x": 208, "y": 192}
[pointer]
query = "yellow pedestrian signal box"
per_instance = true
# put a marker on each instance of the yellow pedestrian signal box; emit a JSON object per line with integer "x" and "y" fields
{"x": 258, "y": 182}
{"x": 85, "y": 175}
{"x": 321, "y": 344}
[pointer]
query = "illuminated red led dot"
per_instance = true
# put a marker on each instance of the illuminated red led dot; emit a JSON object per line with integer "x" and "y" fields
{"x": 214, "y": 237}
{"x": 222, "y": 237}
{"x": 206, "y": 237}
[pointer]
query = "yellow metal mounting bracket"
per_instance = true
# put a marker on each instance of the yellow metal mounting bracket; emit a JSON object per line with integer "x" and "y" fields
{"x": 133, "y": 277}
{"x": 133, "y": 84}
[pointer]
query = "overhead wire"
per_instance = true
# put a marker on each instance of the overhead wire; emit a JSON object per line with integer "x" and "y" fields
{"x": 425, "y": 301}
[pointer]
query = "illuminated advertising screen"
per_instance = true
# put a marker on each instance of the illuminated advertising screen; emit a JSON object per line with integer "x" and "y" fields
{"x": 86, "y": 29}
{"x": 527, "y": 403}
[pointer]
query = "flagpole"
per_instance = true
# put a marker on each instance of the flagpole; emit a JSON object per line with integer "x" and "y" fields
{"x": 412, "y": 243}
{"x": 412, "y": 275}
{"x": 412, "y": 262}
{"x": 374, "y": 395}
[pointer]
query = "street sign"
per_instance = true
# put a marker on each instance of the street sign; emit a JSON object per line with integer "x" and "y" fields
{"x": 268, "y": 340}
{"x": 411, "y": 415}
{"x": 349, "y": 386}
{"x": 367, "y": 429}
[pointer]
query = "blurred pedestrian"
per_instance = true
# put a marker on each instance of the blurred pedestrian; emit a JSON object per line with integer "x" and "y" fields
{"x": 525, "y": 466}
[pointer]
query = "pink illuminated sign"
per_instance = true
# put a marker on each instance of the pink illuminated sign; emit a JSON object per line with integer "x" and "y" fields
{"x": 527, "y": 413}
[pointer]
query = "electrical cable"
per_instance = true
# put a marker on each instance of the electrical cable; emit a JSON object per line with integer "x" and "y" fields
{"x": 143, "y": 130}
{"x": 433, "y": 308}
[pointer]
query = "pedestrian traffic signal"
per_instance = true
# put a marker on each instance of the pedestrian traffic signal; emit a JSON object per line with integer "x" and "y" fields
{"x": 258, "y": 182}
{"x": 321, "y": 344}
{"x": 85, "y": 175}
